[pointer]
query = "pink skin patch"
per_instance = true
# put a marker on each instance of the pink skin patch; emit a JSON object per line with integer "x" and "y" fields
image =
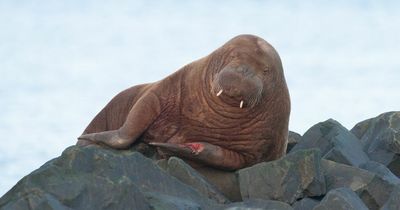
{"x": 195, "y": 147}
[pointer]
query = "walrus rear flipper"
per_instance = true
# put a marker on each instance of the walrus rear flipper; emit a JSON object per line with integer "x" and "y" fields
{"x": 207, "y": 153}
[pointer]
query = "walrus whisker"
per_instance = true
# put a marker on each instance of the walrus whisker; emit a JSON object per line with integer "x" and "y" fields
{"x": 219, "y": 93}
{"x": 241, "y": 104}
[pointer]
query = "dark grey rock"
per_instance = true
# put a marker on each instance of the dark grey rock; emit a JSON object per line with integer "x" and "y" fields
{"x": 381, "y": 139}
{"x": 340, "y": 175}
{"x": 186, "y": 174}
{"x": 394, "y": 165}
{"x": 305, "y": 204}
{"x": 35, "y": 199}
{"x": 382, "y": 171}
{"x": 393, "y": 203}
{"x": 335, "y": 142}
{"x": 159, "y": 201}
{"x": 226, "y": 181}
{"x": 341, "y": 198}
{"x": 258, "y": 204}
{"x": 287, "y": 179}
{"x": 381, "y": 132}
{"x": 293, "y": 139}
{"x": 97, "y": 178}
{"x": 373, "y": 188}
{"x": 377, "y": 192}
{"x": 74, "y": 190}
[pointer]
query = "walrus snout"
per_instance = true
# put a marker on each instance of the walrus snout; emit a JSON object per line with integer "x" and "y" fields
{"x": 240, "y": 83}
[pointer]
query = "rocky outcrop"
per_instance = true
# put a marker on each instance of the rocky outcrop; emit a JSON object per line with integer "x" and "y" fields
{"x": 293, "y": 139}
{"x": 380, "y": 137}
{"x": 97, "y": 178}
{"x": 305, "y": 204}
{"x": 297, "y": 175}
{"x": 335, "y": 142}
{"x": 258, "y": 204}
{"x": 341, "y": 198}
{"x": 393, "y": 203}
{"x": 186, "y": 174}
{"x": 328, "y": 167}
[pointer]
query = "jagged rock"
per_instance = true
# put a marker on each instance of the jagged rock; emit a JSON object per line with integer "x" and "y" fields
{"x": 393, "y": 203}
{"x": 373, "y": 188}
{"x": 341, "y": 199}
{"x": 376, "y": 193}
{"x": 382, "y": 171}
{"x": 381, "y": 139}
{"x": 226, "y": 181}
{"x": 394, "y": 165}
{"x": 186, "y": 174}
{"x": 293, "y": 139}
{"x": 97, "y": 178}
{"x": 335, "y": 142}
{"x": 381, "y": 132}
{"x": 287, "y": 179}
{"x": 258, "y": 204}
{"x": 340, "y": 175}
{"x": 305, "y": 204}
{"x": 36, "y": 199}
{"x": 165, "y": 202}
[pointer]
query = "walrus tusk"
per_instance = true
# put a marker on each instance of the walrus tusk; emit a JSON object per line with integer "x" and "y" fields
{"x": 241, "y": 104}
{"x": 219, "y": 93}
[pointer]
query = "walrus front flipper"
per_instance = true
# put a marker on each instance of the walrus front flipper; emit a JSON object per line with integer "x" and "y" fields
{"x": 207, "y": 153}
{"x": 109, "y": 138}
{"x": 140, "y": 117}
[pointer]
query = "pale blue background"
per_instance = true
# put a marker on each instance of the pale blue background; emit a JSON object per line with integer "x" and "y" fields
{"x": 61, "y": 61}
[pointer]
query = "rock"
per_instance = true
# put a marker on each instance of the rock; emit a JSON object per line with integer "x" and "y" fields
{"x": 70, "y": 189}
{"x": 226, "y": 182}
{"x": 381, "y": 139}
{"x": 165, "y": 202}
{"x": 293, "y": 139}
{"x": 381, "y": 132}
{"x": 340, "y": 175}
{"x": 186, "y": 174}
{"x": 394, "y": 165}
{"x": 393, "y": 203}
{"x": 287, "y": 179}
{"x": 377, "y": 192}
{"x": 335, "y": 142}
{"x": 381, "y": 171}
{"x": 35, "y": 200}
{"x": 97, "y": 178}
{"x": 373, "y": 188}
{"x": 341, "y": 198}
{"x": 258, "y": 204}
{"x": 305, "y": 204}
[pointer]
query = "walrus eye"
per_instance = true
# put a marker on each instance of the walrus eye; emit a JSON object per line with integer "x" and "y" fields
{"x": 266, "y": 70}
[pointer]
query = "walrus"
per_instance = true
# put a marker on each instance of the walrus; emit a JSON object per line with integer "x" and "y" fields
{"x": 228, "y": 110}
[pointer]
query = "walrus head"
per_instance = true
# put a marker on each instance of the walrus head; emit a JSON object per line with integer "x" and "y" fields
{"x": 249, "y": 71}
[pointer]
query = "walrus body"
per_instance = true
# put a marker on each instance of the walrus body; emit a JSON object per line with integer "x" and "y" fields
{"x": 228, "y": 110}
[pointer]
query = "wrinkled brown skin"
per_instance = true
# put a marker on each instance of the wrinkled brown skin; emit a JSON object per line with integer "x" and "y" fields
{"x": 184, "y": 108}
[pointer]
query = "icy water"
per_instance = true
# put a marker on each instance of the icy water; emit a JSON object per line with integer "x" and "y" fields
{"x": 61, "y": 62}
